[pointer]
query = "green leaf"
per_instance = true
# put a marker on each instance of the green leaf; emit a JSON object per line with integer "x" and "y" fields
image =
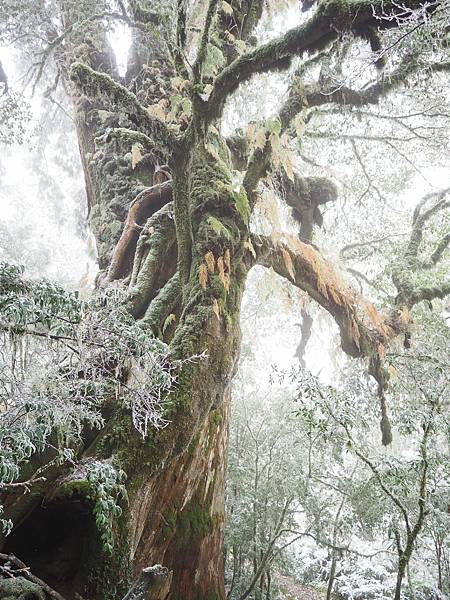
{"x": 218, "y": 227}
{"x": 169, "y": 320}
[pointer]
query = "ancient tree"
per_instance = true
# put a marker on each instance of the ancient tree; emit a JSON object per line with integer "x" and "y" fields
{"x": 173, "y": 230}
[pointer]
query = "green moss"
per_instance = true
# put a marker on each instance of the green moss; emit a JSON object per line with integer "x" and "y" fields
{"x": 341, "y": 12}
{"x": 218, "y": 227}
{"x": 76, "y": 487}
{"x": 194, "y": 522}
{"x": 108, "y": 577}
{"x": 216, "y": 418}
{"x": 169, "y": 523}
{"x": 242, "y": 205}
{"x": 19, "y": 587}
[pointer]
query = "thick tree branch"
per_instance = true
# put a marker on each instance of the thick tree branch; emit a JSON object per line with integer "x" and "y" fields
{"x": 178, "y": 50}
{"x": 437, "y": 253}
{"x": 419, "y": 220}
{"x": 99, "y": 85}
{"x": 343, "y": 95}
{"x": 331, "y": 17}
{"x": 410, "y": 294}
{"x": 363, "y": 330}
{"x": 143, "y": 206}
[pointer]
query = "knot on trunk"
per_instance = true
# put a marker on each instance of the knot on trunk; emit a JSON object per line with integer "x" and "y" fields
{"x": 153, "y": 584}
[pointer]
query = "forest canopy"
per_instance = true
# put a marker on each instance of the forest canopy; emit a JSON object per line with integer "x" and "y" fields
{"x": 224, "y": 299}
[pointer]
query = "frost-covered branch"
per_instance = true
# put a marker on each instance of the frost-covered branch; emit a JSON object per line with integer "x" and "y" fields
{"x": 330, "y": 18}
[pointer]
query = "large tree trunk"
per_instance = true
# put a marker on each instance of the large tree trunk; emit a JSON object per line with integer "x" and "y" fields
{"x": 175, "y": 477}
{"x": 179, "y": 514}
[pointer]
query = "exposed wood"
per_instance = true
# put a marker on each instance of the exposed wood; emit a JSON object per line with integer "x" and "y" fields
{"x": 143, "y": 206}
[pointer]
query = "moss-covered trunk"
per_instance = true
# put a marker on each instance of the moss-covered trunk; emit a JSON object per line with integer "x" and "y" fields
{"x": 178, "y": 515}
{"x": 184, "y": 270}
{"x": 174, "y": 511}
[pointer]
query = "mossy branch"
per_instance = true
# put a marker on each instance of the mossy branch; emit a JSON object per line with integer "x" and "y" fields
{"x": 100, "y": 86}
{"x": 206, "y": 34}
{"x": 331, "y": 17}
{"x": 343, "y": 95}
{"x": 363, "y": 330}
{"x": 419, "y": 221}
{"x": 178, "y": 49}
{"x": 410, "y": 294}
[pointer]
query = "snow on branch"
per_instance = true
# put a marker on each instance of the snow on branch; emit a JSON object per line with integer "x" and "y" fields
{"x": 330, "y": 18}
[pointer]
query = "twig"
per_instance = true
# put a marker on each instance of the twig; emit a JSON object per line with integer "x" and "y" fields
{"x": 25, "y": 572}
